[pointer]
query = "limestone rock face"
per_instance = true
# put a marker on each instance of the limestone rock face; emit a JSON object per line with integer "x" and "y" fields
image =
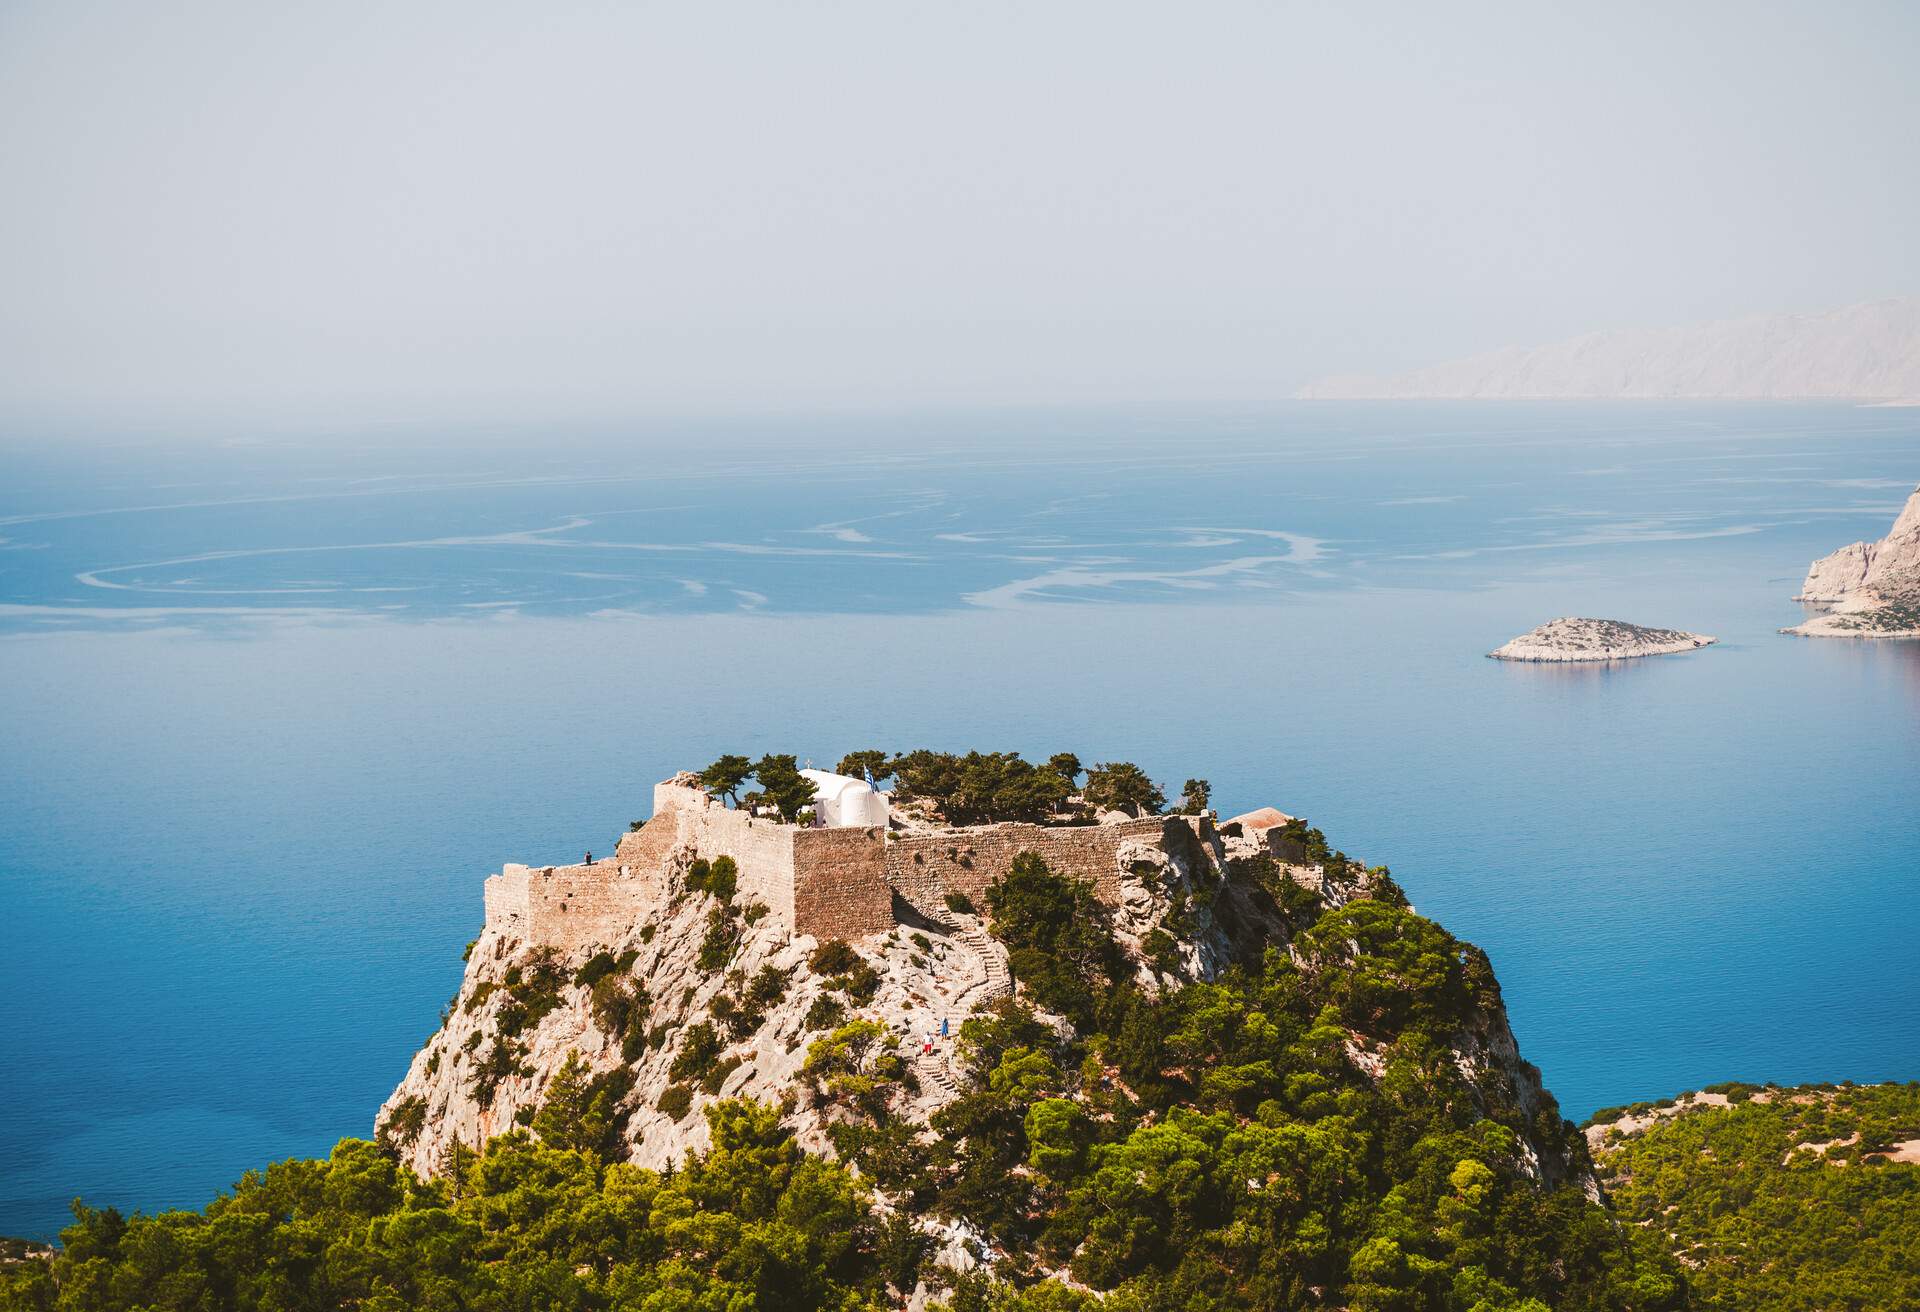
{"x": 1851, "y": 568}
{"x": 1571, "y": 639}
{"x": 1874, "y": 586}
{"x": 634, "y": 1000}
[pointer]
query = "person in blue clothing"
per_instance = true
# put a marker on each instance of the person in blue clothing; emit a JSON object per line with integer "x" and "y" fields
{"x": 943, "y": 1027}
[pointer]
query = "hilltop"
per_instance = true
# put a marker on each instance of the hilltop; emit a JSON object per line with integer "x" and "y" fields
{"x": 1862, "y": 352}
{"x": 1187, "y": 1061}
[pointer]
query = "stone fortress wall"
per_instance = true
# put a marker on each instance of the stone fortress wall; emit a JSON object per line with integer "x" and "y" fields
{"x": 827, "y": 883}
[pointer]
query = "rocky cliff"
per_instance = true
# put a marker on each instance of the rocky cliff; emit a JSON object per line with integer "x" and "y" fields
{"x": 708, "y": 997}
{"x": 1874, "y": 587}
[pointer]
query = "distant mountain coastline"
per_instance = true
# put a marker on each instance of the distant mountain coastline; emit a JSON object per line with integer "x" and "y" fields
{"x": 1868, "y": 352}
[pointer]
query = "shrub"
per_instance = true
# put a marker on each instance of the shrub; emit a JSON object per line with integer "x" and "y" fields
{"x": 598, "y": 966}
{"x": 619, "y": 1006}
{"x": 961, "y": 903}
{"x": 717, "y": 878}
{"x": 675, "y": 1100}
{"x": 403, "y": 1124}
{"x": 723, "y": 936}
{"x": 716, "y": 1077}
{"x": 833, "y": 957}
{"x": 699, "y": 1047}
{"x": 502, "y": 1061}
{"x": 860, "y": 984}
{"x": 825, "y": 1013}
{"x": 1057, "y": 937}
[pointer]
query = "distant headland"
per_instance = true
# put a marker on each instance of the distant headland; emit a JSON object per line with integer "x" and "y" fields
{"x": 1874, "y": 587}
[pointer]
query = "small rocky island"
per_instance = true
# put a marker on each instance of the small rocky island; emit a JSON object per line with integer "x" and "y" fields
{"x": 1573, "y": 639}
{"x": 1874, "y": 587}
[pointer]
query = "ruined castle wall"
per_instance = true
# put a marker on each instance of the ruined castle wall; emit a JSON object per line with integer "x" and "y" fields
{"x": 840, "y": 885}
{"x": 506, "y": 900}
{"x": 572, "y": 907}
{"x": 926, "y": 867}
{"x": 763, "y": 849}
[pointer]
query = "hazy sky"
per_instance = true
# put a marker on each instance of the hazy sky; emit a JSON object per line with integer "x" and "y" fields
{"x": 413, "y": 210}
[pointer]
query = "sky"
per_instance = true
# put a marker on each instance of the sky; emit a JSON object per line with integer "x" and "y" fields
{"x": 250, "y": 212}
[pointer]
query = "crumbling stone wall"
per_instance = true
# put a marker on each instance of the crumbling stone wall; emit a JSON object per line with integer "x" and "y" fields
{"x": 568, "y": 907}
{"x": 828, "y": 883}
{"x": 926, "y": 867}
{"x": 840, "y": 886}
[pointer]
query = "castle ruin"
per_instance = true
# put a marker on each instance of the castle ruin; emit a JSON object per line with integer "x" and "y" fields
{"x": 841, "y": 882}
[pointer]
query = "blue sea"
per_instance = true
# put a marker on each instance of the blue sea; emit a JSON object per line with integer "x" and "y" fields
{"x": 272, "y": 708}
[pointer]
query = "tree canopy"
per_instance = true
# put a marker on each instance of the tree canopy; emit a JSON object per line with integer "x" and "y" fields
{"x": 751, "y": 1223}
{"x": 1787, "y": 1200}
{"x": 1123, "y": 786}
{"x": 982, "y": 787}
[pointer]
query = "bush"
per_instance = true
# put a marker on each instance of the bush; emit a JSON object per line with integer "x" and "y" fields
{"x": 597, "y": 967}
{"x": 716, "y": 1077}
{"x": 502, "y": 1061}
{"x": 723, "y": 936}
{"x": 718, "y": 878}
{"x": 961, "y": 903}
{"x": 699, "y": 1047}
{"x": 833, "y": 957}
{"x": 826, "y": 1013}
{"x": 675, "y": 1100}
{"x": 403, "y": 1124}
{"x": 859, "y": 984}
{"x": 620, "y": 1007}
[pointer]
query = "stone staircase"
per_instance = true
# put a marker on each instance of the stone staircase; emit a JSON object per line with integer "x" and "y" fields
{"x": 989, "y": 983}
{"x": 931, "y": 1067}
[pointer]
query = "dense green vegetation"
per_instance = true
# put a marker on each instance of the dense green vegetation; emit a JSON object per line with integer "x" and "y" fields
{"x": 754, "y": 1223}
{"x": 977, "y": 788}
{"x": 1784, "y": 1200}
{"x": 982, "y": 787}
{"x": 1215, "y": 1147}
{"x": 1212, "y": 1147}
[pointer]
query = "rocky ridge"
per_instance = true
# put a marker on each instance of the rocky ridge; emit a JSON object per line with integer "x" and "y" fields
{"x": 1574, "y": 639}
{"x": 1873, "y": 587}
{"x": 750, "y": 1013}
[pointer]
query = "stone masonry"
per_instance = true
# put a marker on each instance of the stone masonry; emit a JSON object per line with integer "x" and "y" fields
{"x": 827, "y": 883}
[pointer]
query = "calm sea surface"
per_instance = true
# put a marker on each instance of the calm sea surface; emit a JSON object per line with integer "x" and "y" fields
{"x": 270, "y": 712}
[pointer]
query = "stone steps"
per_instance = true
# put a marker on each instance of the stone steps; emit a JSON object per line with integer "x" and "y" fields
{"x": 989, "y": 982}
{"x": 931, "y": 1067}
